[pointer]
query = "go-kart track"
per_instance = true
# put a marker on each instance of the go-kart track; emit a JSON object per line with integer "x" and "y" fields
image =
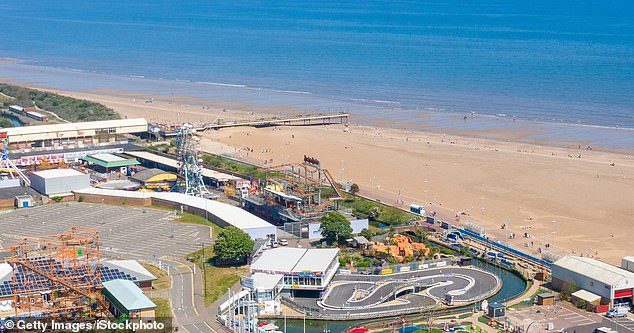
{"x": 381, "y": 295}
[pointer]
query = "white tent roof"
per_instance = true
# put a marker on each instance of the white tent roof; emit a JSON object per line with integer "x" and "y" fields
{"x": 586, "y": 296}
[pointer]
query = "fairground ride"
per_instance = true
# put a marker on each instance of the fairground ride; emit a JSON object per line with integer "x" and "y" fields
{"x": 305, "y": 189}
{"x": 6, "y": 165}
{"x": 190, "y": 163}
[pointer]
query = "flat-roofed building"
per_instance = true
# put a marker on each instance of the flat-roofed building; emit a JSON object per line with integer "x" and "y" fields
{"x": 106, "y": 162}
{"x": 302, "y": 269}
{"x": 59, "y": 181}
{"x": 57, "y": 135}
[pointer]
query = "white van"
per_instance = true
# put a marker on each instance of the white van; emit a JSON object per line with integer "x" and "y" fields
{"x": 617, "y": 312}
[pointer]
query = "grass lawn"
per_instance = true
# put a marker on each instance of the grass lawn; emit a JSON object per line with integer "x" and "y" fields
{"x": 162, "y": 278}
{"x": 218, "y": 279}
{"x": 528, "y": 302}
{"x": 163, "y": 307}
{"x": 200, "y": 220}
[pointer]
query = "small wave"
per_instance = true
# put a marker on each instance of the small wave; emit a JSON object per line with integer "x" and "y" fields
{"x": 292, "y": 92}
{"x": 385, "y": 102}
{"x": 137, "y": 76}
{"x": 224, "y": 84}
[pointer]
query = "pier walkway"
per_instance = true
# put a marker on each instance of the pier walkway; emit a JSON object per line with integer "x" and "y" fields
{"x": 296, "y": 120}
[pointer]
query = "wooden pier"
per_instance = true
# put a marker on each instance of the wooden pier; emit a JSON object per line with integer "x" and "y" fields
{"x": 297, "y": 120}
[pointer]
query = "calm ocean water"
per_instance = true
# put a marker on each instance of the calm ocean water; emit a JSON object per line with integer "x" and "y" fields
{"x": 548, "y": 60}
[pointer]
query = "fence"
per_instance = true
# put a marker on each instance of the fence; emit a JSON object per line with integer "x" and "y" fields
{"x": 507, "y": 249}
{"x": 317, "y": 313}
{"x": 398, "y": 268}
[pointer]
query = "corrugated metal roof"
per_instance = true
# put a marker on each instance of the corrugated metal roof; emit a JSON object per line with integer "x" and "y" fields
{"x": 595, "y": 269}
{"x": 129, "y": 295}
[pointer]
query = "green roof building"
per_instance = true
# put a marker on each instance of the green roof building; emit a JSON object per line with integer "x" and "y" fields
{"x": 126, "y": 298}
{"x": 106, "y": 163}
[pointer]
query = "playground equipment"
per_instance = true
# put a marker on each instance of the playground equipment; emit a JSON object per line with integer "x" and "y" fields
{"x": 57, "y": 275}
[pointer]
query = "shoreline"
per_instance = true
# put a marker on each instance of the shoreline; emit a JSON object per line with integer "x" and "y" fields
{"x": 274, "y": 101}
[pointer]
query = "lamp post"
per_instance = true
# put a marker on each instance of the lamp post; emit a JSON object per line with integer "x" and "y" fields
{"x": 103, "y": 212}
{"x": 553, "y": 241}
{"x": 204, "y": 263}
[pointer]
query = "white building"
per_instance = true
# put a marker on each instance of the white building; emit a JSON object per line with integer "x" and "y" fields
{"x": 613, "y": 284}
{"x": 220, "y": 213}
{"x": 627, "y": 263}
{"x": 59, "y": 181}
{"x": 57, "y": 135}
{"x": 302, "y": 269}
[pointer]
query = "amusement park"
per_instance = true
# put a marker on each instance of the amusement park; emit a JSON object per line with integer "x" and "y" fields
{"x": 315, "y": 254}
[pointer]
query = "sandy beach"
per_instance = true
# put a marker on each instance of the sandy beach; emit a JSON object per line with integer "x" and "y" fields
{"x": 577, "y": 200}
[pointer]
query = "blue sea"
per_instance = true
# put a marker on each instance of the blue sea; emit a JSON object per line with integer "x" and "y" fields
{"x": 555, "y": 61}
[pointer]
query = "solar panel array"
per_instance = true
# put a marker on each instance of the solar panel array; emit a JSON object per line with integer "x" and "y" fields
{"x": 38, "y": 282}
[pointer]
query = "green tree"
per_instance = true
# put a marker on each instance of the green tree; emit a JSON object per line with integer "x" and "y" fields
{"x": 335, "y": 227}
{"x": 374, "y": 213}
{"x": 233, "y": 244}
{"x": 5, "y": 123}
{"x": 354, "y": 189}
{"x": 367, "y": 233}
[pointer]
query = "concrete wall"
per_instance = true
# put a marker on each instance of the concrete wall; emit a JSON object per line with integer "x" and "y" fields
{"x": 54, "y": 185}
{"x": 109, "y": 200}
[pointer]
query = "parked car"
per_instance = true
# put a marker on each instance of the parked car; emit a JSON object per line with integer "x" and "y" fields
{"x": 283, "y": 242}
